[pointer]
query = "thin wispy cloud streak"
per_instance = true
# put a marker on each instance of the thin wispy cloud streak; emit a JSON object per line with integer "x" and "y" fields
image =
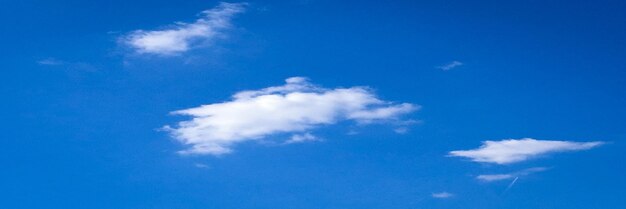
{"x": 50, "y": 61}
{"x": 510, "y": 185}
{"x": 450, "y": 66}
{"x": 201, "y": 165}
{"x": 506, "y": 176}
{"x": 73, "y": 67}
{"x": 182, "y": 37}
{"x": 295, "y": 108}
{"x": 301, "y": 138}
{"x": 442, "y": 195}
{"x": 517, "y": 150}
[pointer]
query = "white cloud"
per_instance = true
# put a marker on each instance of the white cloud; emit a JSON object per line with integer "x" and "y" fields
{"x": 201, "y": 165}
{"x": 450, "y": 65}
{"x": 442, "y": 195}
{"x": 517, "y": 150}
{"x": 494, "y": 177}
{"x": 505, "y": 176}
{"x": 50, "y": 61}
{"x": 401, "y": 130}
{"x": 294, "y": 108}
{"x": 184, "y": 36}
{"x": 67, "y": 65}
{"x": 403, "y": 126}
{"x": 300, "y": 138}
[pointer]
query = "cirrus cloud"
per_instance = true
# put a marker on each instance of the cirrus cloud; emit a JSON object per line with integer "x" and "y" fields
{"x": 293, "y": 108}
{"x": 505, "y": 176}
{"x": 516, "y": 150}
{"x": 450, "y": 65}
{"x": 442, "y": 195}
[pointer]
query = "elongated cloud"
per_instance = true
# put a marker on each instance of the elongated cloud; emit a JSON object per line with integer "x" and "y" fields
{"x": 517, "y": 150}
{"x": 506, "y": 176}
{"x": 300, "y": 138}
{"x": 450, "y": 65}
{"x": 184, "y": 36}
{"x": 294, "y": 108}
{"x": 442, "y": 195}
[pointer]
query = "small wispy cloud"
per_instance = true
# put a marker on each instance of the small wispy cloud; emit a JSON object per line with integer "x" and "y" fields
{"x": 201, "y": 165}
{"x": 442, "y": 195}
{"x": 494, "y": 177}
{"x": 516, "y": 150}
{"x": 295, "y": 108}
{"x": 402, "y": 127}
{"x": 300, "y": 138}
{"x": 450, "y": 65}
{"x": 401, "y": 130}
{"x": 506, "y": 176}
{"x": 68, "y": 65}
{"x": 185, "y": 36}
{"x": 50, "y": 61}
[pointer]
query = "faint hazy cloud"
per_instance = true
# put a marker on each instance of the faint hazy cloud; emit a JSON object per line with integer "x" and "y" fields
{"x": 201, "y": 165}
{"x": 50, "y": 61}
{"x": 506, "y": 176}
{"x": 450, "y": 65}
{"x": 68, "y": 65}
{"x": 442, "y": 195}
{"x": 300, "y": 138}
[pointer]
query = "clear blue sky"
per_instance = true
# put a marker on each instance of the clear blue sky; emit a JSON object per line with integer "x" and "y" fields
{"x": 85, "y": 103}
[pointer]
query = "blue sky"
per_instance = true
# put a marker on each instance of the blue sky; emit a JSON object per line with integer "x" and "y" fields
{"x": 313, "y": 104}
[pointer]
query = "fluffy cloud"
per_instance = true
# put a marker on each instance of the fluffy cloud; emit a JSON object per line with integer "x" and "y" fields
{"x": 516, "y": 150}
{"x": 184, "y": 36}
{"x": 505, "y": 176}
{"x": 294, "y": 108}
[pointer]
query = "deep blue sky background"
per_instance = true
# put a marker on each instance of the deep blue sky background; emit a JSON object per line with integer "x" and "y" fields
{"x": 84, "y": 133}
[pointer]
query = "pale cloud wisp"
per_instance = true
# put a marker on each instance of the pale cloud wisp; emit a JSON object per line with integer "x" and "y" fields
{"x": 506, "y": 176}
{"x": 442, "y": 195}
{"x": 450, "y": 65}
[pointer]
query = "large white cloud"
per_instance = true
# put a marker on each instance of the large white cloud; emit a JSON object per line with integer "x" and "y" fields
{"x": 294, "y": 108}
{"x": 516, "y": 150}
{"x": 184, "y": 36}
